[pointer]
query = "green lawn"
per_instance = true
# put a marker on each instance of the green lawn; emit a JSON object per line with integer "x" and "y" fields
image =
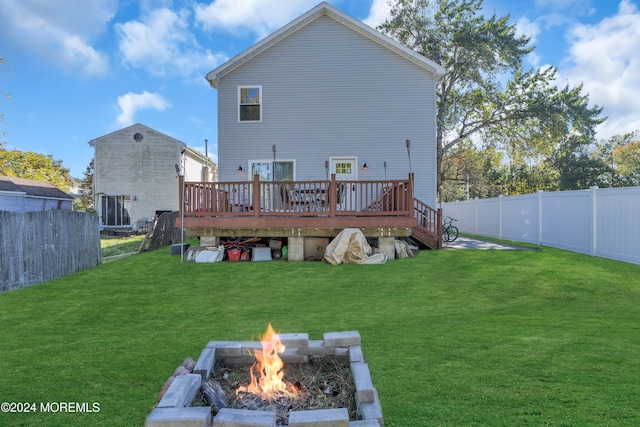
{"x": 115, "y": 246}
{"x": 452, "y": 338}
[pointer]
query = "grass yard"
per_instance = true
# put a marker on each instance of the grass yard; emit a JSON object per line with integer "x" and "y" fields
{"x": 452, "y": 338}
{"x": 115, "y": 246}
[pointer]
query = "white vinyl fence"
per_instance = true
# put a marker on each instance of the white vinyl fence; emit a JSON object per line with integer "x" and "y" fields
{"x": 603, "y": 222}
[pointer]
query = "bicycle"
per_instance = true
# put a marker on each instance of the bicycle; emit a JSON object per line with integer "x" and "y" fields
{"x": 449, "y": 231}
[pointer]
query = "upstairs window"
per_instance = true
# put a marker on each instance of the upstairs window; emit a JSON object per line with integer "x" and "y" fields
{"x": 250, "y": 103}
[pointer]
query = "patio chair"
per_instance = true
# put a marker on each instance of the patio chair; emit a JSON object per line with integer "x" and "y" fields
{"x": 286, "y": 197}
{"x": 339, "y": 195}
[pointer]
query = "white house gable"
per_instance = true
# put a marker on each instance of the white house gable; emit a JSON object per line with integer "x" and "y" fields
{"x": 135, "y": 174}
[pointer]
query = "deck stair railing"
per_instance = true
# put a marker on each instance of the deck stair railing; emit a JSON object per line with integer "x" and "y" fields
{"x": 428, "y": 228}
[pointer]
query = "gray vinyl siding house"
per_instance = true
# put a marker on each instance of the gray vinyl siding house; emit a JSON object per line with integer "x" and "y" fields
{"x": 330, "y": 89}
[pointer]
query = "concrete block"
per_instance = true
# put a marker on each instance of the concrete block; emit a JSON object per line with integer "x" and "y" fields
{"x": 371, "y": 410}
{"x": 209, "y": 241}
{"x": 181, "y": 392}
{"x": 226, "y": 348}
{"x": 179, "y": 417}
{"x": 355, "y": 354}
{"x": 341, "y": 351}
{"x": 249, "y": 348}
{"x": 341, "y": 339}
{"x": 387, "y": 245}
{"x": 317, "y": 348}
{"x": 362, "y": 381}
{"x": 364, "y": 423}
{"x": 295, "y": 340}
{"x": 205, "y": 362}
{"x": 236, "y": 360}
{"x": 320, "y": 418}
{"x": 292, "y": 355}
{"x": 228, "y": 417}
{"x": 296, "y": 249}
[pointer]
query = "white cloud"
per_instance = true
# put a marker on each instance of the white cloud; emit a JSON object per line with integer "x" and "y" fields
{"x": 60, "y": 32}
{"x": 378, "y": 13}
{"x": 574, "y": 7}
{"x": 131, "y": 102}
{"x": 258, "y": 17}
{"x": 604, "y": 57}
{"x": 162, "y": 44}
{"x": 527, "y": 28}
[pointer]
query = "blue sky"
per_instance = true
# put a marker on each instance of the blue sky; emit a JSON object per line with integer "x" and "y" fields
{"x": 80, "y": 69}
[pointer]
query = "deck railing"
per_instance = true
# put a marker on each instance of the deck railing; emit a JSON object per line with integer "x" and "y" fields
{"x": 244, "y": 207}
{"x": 297, "y": 198}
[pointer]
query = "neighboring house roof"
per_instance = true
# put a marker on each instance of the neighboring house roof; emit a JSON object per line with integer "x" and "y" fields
{"x": 140, "y": 127}
{"x": 32, "y": 188}
{"x": 137, "y": 126}
{"x": 324, "y": 9}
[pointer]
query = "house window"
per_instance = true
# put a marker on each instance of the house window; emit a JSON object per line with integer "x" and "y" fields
{"x": 115, "y": 210}
{"x": 250, "y": 103}
{"x": 343, "y": 168}
{"x": 265, "y": 168}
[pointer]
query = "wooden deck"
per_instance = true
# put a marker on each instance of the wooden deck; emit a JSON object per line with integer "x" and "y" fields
{"x": 306, "y": 209}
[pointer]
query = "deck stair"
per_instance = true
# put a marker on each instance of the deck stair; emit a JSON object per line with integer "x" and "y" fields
{"x": 427, "y": 230}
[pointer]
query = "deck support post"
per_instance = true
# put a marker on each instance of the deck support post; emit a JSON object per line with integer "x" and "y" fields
{"x": 296, "y": 249}
{"x": 209, "y": 241}
{"x": 387, "y": 246}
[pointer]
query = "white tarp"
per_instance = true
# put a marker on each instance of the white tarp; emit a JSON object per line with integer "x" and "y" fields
{"x": 351, "y": 247}
{"x": 205, "y": 254}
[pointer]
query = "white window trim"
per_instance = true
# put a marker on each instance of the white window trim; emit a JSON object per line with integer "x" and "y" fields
{"x": 259, "y": 87}
{"x": 251, "y": 161}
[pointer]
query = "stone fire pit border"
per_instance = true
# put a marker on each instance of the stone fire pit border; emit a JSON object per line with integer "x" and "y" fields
{"x": 174, "y": 408}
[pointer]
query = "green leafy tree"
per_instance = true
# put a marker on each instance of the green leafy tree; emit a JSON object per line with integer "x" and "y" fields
{"x": 626, "y": 159}
{"x": 472, "y": 172}
{"x": 582, "y": 171}
{"x": 480, "y": 53}
{"x": 36, "y": 166}
{"x": 86, "y": 186}
{"x": 622, "y": 154}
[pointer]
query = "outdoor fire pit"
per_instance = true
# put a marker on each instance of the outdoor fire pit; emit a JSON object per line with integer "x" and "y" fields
{"x": 251, "y": 383}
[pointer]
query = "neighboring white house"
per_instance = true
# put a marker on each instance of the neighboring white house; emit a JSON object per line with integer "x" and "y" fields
{"x": 136, "y": 175}
{"x": 28, "y": 195}
{"x": 330, "y": 94}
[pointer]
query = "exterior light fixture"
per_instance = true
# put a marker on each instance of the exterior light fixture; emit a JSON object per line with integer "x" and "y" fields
{"x": 365, "y": 167}
{"x": 239, "y": 170}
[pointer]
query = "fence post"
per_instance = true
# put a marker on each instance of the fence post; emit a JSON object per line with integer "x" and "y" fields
{"x": 500, "y": 216}
{"x": 592, "y": 218}
{"x": 540, "y": 192}
{"x": 475, "y": 215}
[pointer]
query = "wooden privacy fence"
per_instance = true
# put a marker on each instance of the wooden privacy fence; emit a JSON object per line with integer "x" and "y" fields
{"x": 40, "y": 246}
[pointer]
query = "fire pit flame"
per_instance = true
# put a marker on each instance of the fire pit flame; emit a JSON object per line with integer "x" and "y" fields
{"x": 267, "y": 371}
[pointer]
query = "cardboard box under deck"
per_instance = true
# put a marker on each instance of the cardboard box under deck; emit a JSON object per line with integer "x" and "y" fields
{"x": 315, "y": 247}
